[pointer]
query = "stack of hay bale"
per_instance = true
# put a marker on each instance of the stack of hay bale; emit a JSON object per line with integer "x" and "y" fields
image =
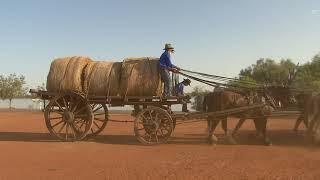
{"x": 132, "y": 77}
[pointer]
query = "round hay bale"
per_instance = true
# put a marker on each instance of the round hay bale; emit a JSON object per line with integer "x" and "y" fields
{"x": 140, "y": 77}
{"x": 66, "y": 74}
{"x": 102, "y": 78}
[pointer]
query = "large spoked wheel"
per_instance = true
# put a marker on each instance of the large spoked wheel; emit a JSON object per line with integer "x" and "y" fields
{"x": 69, "y": 117}
{"x": 153, "y": 125}
{"x": 101, "y": 117}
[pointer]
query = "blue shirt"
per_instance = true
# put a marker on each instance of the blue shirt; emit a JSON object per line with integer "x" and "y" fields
{"x": 165, "y": 60}
{"x": 179, "y": 88}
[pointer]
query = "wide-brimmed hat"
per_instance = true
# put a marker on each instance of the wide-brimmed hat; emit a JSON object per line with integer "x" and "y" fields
{"x": 187, "y": 81}
{"x": 168, "y": 46}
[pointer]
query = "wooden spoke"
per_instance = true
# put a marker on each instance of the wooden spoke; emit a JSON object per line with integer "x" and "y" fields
{"x": 100, "y": 107}
{"x": 73, "y": 132}
{"x": 67, "y": 128}
{"x": 156, "y": 117}
{"x": 65, "y": 104}
{"x": 64, "y": 124}
{"x": 150, "y": 137}
{"x": 159, "y": 130}
{"x": 57, "y": 123}
{"x": 53, "y": 118}
{"x": 59, "y": 105}
{"x": 81, "y": 124}
{"x": 75, "y": 106}
{"x": 81, "y": 116}
{"x": 96, "y": 124}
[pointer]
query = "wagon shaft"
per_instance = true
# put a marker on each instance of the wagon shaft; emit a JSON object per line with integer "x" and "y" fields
{"x": 203, "y": 115}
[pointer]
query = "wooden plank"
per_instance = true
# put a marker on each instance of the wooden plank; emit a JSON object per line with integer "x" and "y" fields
{"x": 119, "y": 100}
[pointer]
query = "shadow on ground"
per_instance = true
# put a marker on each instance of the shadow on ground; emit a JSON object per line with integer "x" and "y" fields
{"x": 278, "y": 137}
{"x": 26, "y": 137}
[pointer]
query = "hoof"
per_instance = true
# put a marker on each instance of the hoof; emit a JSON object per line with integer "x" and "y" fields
{"x": 267, "y": 142}
{"x": 231, "y": 140}
{"x": 212, "y": 141}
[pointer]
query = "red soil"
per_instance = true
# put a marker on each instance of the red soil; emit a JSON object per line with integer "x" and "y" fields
{"x": 29, "y": 152}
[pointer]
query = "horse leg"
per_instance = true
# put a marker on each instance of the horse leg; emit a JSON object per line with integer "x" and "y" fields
{"x": 298, "y": 122}
{"x": 224, "y": 125}
{"x": 257, "y": 125}
{"x": 263, "y": 128}
{"x": 238, "y": 126}
{"x": 228, "y": 135}
{"x": 212, "y": 124}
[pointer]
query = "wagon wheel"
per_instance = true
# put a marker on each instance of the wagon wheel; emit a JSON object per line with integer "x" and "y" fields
{"x": 153, "y": 125}
{"x": 69, "y": 117}
{"x": 101, "y": 117}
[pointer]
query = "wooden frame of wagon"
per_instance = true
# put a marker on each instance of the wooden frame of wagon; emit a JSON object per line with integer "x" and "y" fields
{"x": 72, "y": 116}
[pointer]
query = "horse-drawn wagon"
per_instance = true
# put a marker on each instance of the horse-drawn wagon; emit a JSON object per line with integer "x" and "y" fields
{"x": 72, "y": 116}
{"x": 79, "y": 92}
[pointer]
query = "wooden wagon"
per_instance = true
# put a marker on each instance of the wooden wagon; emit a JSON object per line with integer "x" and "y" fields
{"x": 72, "y": 116}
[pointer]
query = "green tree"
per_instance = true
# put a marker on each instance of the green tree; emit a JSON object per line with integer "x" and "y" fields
{"x": 308, "y": 75}
{"x": 2, "y": 85}
{"x": 12, "y": 86}
{"x": 268, "y": 71}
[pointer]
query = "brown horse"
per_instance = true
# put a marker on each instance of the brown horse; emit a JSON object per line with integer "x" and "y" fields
{"x": 288, "y": 97}
{"x": 312, "y": 116}
{"x": 225, "y": 99}
{"x": 303, "y": 101}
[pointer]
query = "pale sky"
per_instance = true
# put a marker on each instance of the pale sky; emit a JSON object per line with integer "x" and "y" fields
{"x": 212, "y": 36}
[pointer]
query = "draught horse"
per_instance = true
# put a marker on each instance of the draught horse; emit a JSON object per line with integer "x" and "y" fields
{"x": 225, "y": 99}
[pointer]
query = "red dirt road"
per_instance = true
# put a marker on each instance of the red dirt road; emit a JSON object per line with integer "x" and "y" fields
{"x": 29, "y": 152}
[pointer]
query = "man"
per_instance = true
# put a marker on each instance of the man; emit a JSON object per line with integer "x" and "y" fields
{"x": 179, "y": 91}
{"x": 165, "y": 67}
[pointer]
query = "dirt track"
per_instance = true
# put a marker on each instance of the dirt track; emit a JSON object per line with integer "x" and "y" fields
{"x": 28, "y": 152}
